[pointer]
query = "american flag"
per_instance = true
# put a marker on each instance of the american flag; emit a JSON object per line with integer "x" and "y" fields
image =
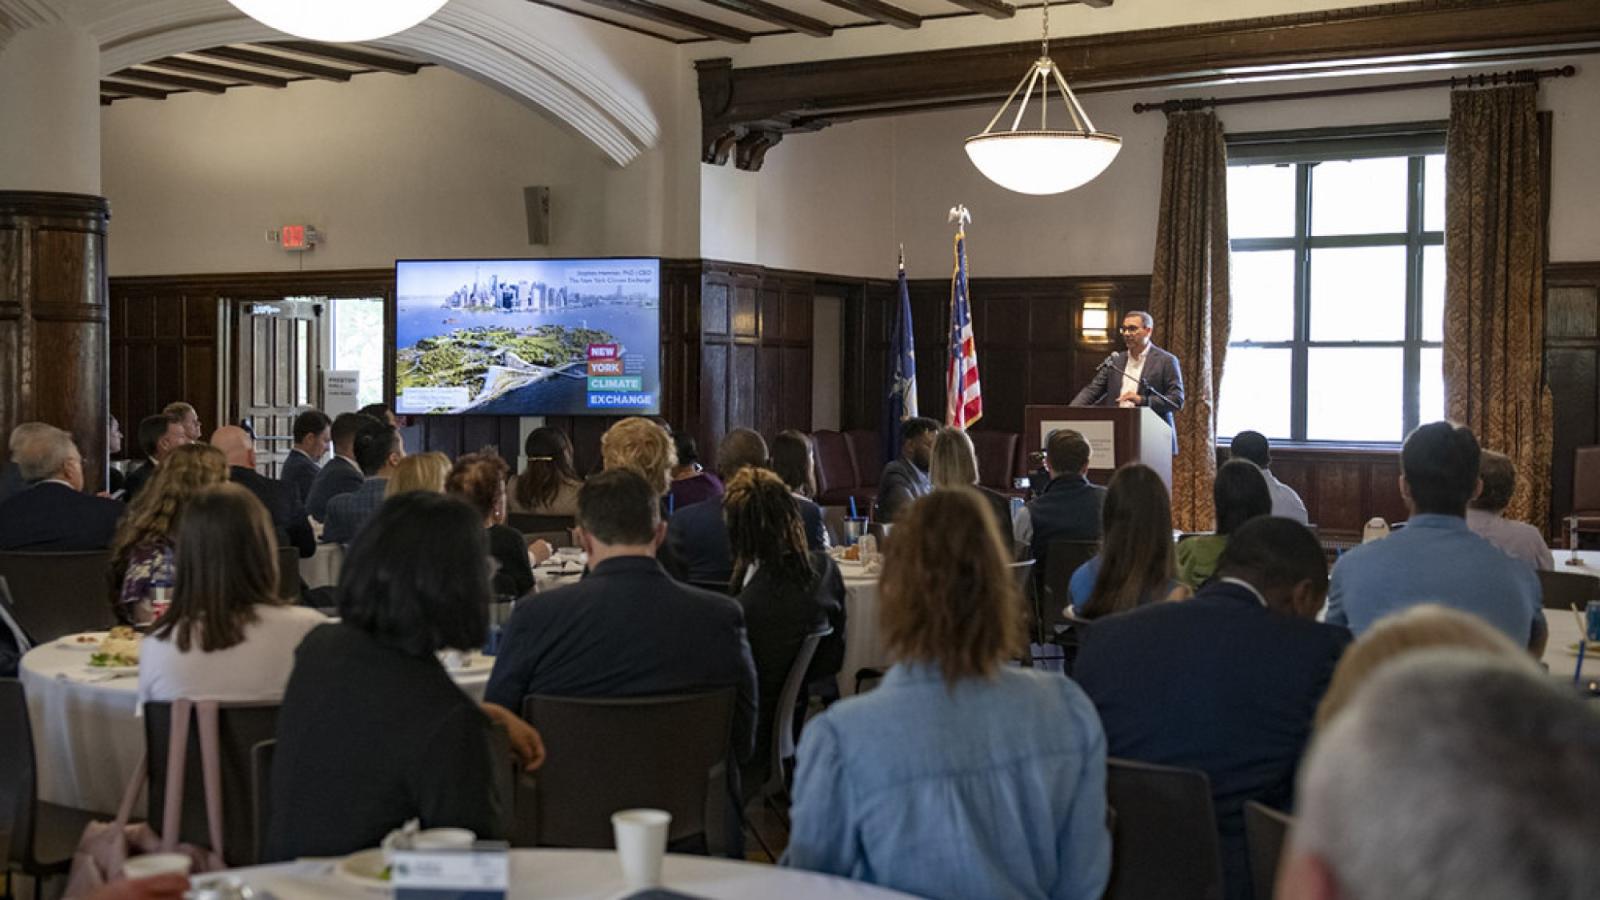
{"x": 963, "y": 396}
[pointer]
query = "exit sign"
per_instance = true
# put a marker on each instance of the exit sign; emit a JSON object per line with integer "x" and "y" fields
{"x": 297, "y": 237}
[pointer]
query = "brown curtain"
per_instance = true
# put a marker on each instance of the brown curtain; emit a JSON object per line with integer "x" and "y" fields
{"x": 1190, "y": 300}
{"x": 1494, "y": 285}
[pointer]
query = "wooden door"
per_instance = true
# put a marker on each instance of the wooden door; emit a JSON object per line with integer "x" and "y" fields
{"x": 277, "y": 348}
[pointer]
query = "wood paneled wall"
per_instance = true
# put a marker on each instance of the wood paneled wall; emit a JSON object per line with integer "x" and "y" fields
{"x": 1572, "y": 367}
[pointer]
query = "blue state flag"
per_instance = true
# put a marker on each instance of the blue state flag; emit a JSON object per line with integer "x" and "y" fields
{"x": 902, "y": 392}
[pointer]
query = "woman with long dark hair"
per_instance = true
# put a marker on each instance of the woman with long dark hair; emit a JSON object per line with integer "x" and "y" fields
{"x": 228, "y": 636}
{"x": 1240, "y": 494}
{"x": 1134, "y": 565}
{"x": 549, "y": 485}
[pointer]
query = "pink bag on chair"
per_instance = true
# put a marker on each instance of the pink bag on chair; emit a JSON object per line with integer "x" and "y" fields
{"x": 106, "y": 846}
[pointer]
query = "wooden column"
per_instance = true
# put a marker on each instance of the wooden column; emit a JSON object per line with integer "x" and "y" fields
{"x": 53, "y": 338}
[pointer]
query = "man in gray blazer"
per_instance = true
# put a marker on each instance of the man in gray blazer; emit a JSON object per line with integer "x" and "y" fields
{"x": 1153, "y": 378}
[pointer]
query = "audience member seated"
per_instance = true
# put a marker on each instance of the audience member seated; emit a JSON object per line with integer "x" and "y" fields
{"x": 1450, "y": 775}
{"x": 1424, "y": 627}
{"x": 227, "y": 636}
{"x": 792, "y": 458}
{"x": 10, "y": 474}
{"x": 787, "y": 593}
{"x": 1068, "y": 508}
{"x": 644, "y": 447}
{"x": 340, "y": 475}
{"x": 379, "y": 449}
{"x": 954, "y": 464}
{"x": 51, "y": 513}
{"x": 142, "y": 571}
{"x": 691, "y": 483}
{"x": 549, "y": 485}
{"x": 373, "y": 732}
{"x": 115, "y": 480}
{"x": 159, "y": 435}
{"x": 185, "y": 415}
{"x": 627, "y": 629}
{"x": 905, "y": 479}
{"x": 1486, "y": 514}
{"x": 1226, "y": 682}
{"x": 1238, "y": 495}
{"x": 382, "y": 413}
{"x": 420, "y": 472}
{"x": 288, "y": 516}
{"x": 698, "y": 535}
{"x": 958, "y": 776}
{"x": 1252, "y": 446}
{"x": 1436, "y": 558}
{"x": 480, "y": 479}
{"x": 312, "y": 433}
{"x": 1134, "y": 566}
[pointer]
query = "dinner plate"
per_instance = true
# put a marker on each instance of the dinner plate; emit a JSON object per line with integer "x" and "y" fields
{"x": 113, "y": 670}
{"x": 365, "y": 868}
{"x": 72, "y": 642}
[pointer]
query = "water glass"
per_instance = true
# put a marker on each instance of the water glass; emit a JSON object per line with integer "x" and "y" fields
{"x": 1592, "y": 617}
{"x": 854, "y": 528}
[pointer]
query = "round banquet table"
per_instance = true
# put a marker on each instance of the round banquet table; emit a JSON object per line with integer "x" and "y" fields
{"x": 87, "y": 736}
{"x": 586, "y": 875}
{"x": 863, "y": 645}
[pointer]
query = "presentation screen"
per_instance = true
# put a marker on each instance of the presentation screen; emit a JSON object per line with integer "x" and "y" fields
{"x": 527, "y": 337}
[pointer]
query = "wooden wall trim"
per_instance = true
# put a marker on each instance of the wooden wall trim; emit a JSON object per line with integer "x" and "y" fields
{"x": 765, "y": 102}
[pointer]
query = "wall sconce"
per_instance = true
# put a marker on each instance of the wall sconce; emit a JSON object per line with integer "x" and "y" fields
{"x": 1094, "y": 322}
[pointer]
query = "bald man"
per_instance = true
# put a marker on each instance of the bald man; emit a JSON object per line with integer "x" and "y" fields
{"x": 288, "y": 515}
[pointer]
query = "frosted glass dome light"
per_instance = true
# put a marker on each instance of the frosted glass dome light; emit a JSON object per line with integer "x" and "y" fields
{"x": 339, "y": 21}
{"x": 1042, "y": 162}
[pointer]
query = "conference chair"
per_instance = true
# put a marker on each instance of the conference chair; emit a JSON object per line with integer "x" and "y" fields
{"x": 1062, "y": 558}
{"x": 833, "y": 520}
{"x": 240, "y": 727}
{"x": 1023, "y": 572}
{"x": 1564, "y": 590}
{"x": 261, "y": 793}
{"x": 1266, "y": 830}
{"x": 1164, "y": 843}
{"x": 1586, "y": 490}
{"x": 40, "y": 837}
{"x": 57, "y": 594}
{"x": 780, "y": 774}
{"x": 609, "y": 753}
{"x": 289, "y": 573}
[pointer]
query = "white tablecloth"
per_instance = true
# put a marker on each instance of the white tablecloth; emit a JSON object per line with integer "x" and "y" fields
{"x": 86, "y": 731}
{"x": 586, "y": 874}
{"x": 1564, "y": 628}
{"x": 863, "y": 645}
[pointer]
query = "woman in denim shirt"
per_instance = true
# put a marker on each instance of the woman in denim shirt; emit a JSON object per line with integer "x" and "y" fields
{"x": 959, "y": 776}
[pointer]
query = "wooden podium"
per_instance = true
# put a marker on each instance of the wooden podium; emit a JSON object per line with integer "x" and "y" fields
{"x": 1116, "y": 435}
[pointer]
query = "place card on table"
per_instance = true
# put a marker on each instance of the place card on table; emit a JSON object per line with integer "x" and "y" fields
{"x": 479, "y": 873}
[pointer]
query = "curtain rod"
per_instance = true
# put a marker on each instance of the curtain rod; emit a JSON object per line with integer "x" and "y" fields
{"x": 1520, "y": 76}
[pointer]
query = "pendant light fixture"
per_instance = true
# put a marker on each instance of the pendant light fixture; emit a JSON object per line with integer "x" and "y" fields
{"x": 339, "y": 21}
{"x": 1042, "y": 161}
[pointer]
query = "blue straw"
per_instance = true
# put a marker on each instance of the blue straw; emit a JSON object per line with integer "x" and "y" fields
{"x": 672, "y": 504}
{"x": 1583, "y": 646}
{"x": 853, "y": 507}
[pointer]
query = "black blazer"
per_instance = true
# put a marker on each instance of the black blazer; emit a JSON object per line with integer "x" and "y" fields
{"x": 627, "y": 630}
{"x": 298, "y": 473}
{"x": 51, "y": 516}
{"x": 136, "y": 479}
{"x": 339, "y": 476}
{"x": 1160, "y": 371}
{"x": 1217, "y": 683}
{"x": 514, "y": 576}
{"x": 288, "y": 516}
{"x": 10, "y": 480}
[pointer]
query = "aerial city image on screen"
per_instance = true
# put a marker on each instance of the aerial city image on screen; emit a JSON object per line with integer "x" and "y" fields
{"x": 527, "y": 337}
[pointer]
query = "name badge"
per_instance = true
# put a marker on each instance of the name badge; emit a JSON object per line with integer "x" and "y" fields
{"x": 480, "y": 873}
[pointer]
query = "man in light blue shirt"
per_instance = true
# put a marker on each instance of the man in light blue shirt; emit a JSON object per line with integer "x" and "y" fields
{"x": 1436, "y": 558}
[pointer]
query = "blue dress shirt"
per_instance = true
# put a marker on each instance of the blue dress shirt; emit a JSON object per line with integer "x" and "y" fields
{"x": 995, "y": 788}
{"x": 1435, "y": 559}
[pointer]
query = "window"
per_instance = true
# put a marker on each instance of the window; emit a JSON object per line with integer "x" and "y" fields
{"x": 1338, "y": 284}
{"x": 358, "y": 343}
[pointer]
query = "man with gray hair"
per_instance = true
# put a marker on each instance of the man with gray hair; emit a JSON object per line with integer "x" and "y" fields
{"x": 52, "y": 512}
{"x": 1451, "y": 775}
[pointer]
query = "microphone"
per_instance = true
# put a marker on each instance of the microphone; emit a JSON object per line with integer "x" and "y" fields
{"x": 1106, "y": 362}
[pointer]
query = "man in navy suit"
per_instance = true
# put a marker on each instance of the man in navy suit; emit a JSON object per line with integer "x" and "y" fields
{"x": 378, "y": 448}
{"x": 341, "y": 475}
{"x": 312, "y": 432}
{"x": 1153, "y": 377}
{"x": 1227, "y": 682}
{"x": 159, "y": 435}
{"x": 627, "y": 629}
{"x": 53, "y": 513}
{"x": 288, "y": 516}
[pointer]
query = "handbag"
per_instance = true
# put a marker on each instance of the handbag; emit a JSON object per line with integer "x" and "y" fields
{"x": 106, "y": 846}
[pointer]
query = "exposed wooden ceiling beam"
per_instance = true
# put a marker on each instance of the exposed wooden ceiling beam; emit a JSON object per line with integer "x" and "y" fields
{"x": 248, "y": 76}
{"x": 132, "y": 90}
{"x": 879, "y": 11}
{"x": 665, "y": 15}
{"x": 994, "y": 9}
{"x": 350, "y": 56}
{"x": 268, "y": 60}
{"x": 174, "y": 81}
{"x": 1097, "y": 4}
{"x": 777, "y": 15}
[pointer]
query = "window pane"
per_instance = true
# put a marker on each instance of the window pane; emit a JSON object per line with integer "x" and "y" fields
{"x": 1358, "y": 294}
{"x": 1430, "y": 405}
{"x": 1255, "y": 392}
{"x": 1433, "y": 293}
{"x": 1263, "y": 295}
{"x": 358, "y": 344}
{"x": 1433, "y": 193}
{"x": 1260, "y": 201}
{"x": 1359, "y": 196}
{"x": 1354, "y": 394}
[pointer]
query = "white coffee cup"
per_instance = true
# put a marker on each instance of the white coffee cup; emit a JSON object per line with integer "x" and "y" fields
{"x": 641, "y": 836}
{"x": 443, "y": 839}
{"x": 156, "y": 864}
